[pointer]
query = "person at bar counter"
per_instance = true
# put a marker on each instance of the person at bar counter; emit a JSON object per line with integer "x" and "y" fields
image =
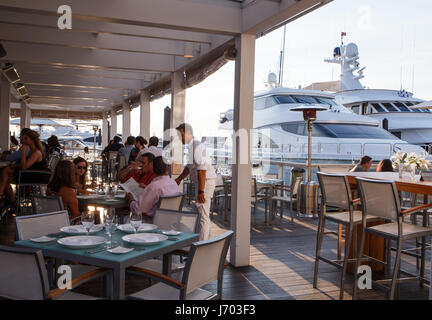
{"x": 144, "y": 176}
{"x": 162, "y": 185}
{"x": 201, "y": 173}
{"x": 54, "y": 147}
{"x": 126, "y": 150}
{"x": 385, "y": 165}
{"x": 62, "y": 184}
{"x": 363, "y": 166}
{"x": 140, "y": 149}
{"x": 81, "y": 167}
{"x": 153, "y": 147}
{"x": 113, "y": 145}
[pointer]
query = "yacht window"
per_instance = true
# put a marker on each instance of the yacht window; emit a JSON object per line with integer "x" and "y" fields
{"x": 284, "y": 99}
{"x": 402, "y": 107}
{"x": 356, "y": 109}
{"x": 305, "y": 99}
{"x": 409, "y": 104}
{"x": 378, "y": 107}
{"x": 390, "y": 107}
{"x": 426, "y": 110}
{"x": 328, "y": 101}
{"x": 295, "y": 128}
{"x": 415, "y": 110}
{"x": 259, "y": 103}
{"x": 349, "y": 131}
{"x": 270, "y": 102}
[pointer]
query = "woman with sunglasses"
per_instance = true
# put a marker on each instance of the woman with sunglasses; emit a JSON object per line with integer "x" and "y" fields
{"x": 81, "y": 166}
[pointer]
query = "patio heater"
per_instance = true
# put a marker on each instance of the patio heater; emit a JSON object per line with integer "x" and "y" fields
{"x": 308, "y": 193}
{"x": 95, "y": 129}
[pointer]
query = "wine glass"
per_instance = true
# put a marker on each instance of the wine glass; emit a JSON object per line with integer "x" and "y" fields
{"x": 87, "y": 220}
{"x": 135, "y": 220}
{"x": 110, "y": 224}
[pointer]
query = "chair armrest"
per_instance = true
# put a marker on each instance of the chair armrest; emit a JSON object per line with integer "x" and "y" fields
{"x": 76, "y": 281}
{"x": 417, "y": 208}
{"x": 158, "y": 276}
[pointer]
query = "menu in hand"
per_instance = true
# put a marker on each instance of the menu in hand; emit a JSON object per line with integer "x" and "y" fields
{"x": 132, "y": 186}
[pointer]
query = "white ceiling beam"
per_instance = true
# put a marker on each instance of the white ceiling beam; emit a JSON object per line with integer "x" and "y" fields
{"x": 69, "y": 101}
{"x": 17, "y": 18}
{"x": 72, "y": 38}
{"x": 262, "y": 16}
{"x": 72, "y": 93}
{"x": 83, "y": 71}
{"x": 62, "y": 81}
{"x": 87, "y": 57}
{"x": 187, "y": 15}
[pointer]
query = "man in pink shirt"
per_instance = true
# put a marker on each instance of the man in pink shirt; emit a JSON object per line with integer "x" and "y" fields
{"x": 162, "y": 185}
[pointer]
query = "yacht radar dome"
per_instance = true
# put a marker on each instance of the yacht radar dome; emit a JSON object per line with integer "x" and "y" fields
{"x": 271, "y": 81}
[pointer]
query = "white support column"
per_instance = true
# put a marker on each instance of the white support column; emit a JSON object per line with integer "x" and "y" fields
{"x": 104, "y": 129}
{"x": 177, "y": 117}
{"x": 113, "y": 124}
{"x": 126, "y": 128}
{"x": 5, "y": 113}
{"x": 25, "y": 116}
{"x": 145, "y": 115}
{"x": 241, "y": 170}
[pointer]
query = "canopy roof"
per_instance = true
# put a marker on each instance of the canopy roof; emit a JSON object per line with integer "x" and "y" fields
{"x": 115, "y": 49}
{"x": 40, "y": 122}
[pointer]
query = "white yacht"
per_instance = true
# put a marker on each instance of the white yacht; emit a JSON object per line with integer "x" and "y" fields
{"x": 338, "y": 134}
{"x": 398, "y": 107}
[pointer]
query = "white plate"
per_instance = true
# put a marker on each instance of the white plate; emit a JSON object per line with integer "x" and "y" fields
{"x": 145, "y": 227}
{"x": 144, "y": 238}
{"x": 171, "y": 232}
{"x": 81, "y": 242}
{"x": 42, "y": 239}
{"x": 120, "y": 250}
{"x": 79, "y": 229}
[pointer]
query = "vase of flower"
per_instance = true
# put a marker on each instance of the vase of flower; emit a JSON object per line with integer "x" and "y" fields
{"x": 405, "y": 162}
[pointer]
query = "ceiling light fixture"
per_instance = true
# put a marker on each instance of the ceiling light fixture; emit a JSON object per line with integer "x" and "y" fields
{"x": 188, "y": 50}
{"x": 11, "y": 73}
{"x": 21, "y": 89}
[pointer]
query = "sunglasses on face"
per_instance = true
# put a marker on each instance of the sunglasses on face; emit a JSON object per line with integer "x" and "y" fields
{"x": 81, "y": 167}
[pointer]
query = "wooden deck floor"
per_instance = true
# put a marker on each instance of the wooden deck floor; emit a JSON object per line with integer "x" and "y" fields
{"x": 281, "y": 265}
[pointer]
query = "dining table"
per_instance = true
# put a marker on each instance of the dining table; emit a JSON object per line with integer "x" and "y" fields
{"x": 98, "y": 200}
{"x": 374, "y": 245}
{"x": 118, "y": 263}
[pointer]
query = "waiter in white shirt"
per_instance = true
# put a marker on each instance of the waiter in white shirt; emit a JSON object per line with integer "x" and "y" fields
{"x": 202, "y": 174}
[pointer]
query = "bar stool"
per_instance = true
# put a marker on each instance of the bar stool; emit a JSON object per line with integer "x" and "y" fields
{"x": 336, "y": 192}
{"x": 381, "y": 199}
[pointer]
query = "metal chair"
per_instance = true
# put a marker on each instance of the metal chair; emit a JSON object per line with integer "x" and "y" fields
{"x": 336, "y": 192}
{"x": 32, "y": 226}
{"x": 23, "y": 277}
{"x": 381, "y": 199}
{"x": 53, "y": 160}
{"x": 257, "y": 196}
{"x": 45, "y": 204}
{"x": 292, "y": 198}
{"x": 174, "y": 202}
{"x": 205, "y": 264}
{"x": 171, "y": 219}
{"x": 30, "y": 182}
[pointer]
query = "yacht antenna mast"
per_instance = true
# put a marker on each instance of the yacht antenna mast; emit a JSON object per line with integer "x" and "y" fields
{"x": 281, "y": 59}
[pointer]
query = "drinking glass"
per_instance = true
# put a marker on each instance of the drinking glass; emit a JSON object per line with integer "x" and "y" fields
{"x": 135, "y": 220}
{"x": 110, "y": 222}
{"x": 87, "y": 220}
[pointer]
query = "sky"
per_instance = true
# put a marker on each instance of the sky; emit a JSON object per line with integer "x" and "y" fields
{"x": 393, "y": 37}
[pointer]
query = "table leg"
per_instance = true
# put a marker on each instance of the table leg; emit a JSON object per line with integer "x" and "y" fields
{"x": 119, "y": 283}
{"x": 167, "y": 264}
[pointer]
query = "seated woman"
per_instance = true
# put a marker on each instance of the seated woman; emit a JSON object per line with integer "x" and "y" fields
{"x": 81, "y": 167}
{"x": 36, "y": 159}
{"x": 63, "y": 185}
{"x": 385, "y": 166}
